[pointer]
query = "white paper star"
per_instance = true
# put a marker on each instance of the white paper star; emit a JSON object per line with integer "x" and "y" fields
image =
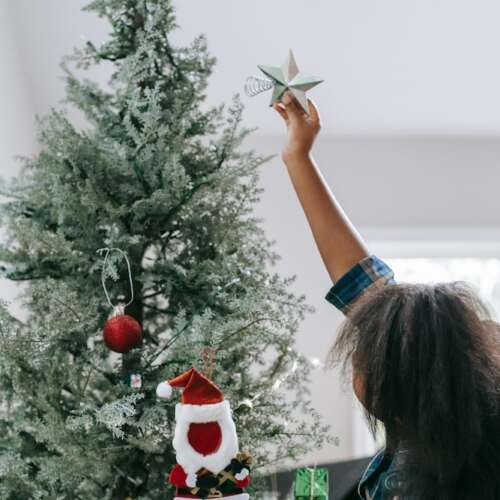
{"x": 288, "y": 77}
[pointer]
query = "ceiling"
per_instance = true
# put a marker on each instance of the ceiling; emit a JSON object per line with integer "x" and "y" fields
{"x": 390, "y": 67}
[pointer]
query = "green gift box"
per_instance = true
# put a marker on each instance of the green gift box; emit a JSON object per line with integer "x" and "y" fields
{"x": 311, "y": 483}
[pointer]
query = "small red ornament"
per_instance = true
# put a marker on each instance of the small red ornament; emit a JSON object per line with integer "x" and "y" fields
{"x": 121, "y": 332}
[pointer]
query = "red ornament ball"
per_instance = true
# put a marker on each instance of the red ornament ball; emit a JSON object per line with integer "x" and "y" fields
{"x": 122, "y": 333}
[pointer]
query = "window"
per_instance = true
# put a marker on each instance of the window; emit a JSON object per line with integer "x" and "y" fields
{"x": 482, "y": 273}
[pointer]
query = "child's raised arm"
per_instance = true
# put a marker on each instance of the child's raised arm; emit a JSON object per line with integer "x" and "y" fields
{"x": 339, "y": 244}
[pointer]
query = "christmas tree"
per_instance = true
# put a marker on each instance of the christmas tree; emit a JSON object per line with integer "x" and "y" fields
{"x": 162, "y": 177}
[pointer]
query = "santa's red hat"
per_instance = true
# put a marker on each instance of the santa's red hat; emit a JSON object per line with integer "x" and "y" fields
{"x": 198, "y": 390}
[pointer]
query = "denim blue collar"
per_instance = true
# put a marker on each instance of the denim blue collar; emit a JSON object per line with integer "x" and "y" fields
{"x": 371, "y": 469}
{"x": 391, "y": 477}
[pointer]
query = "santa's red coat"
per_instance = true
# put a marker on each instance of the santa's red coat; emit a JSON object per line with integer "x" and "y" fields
{"x": 178, "y": 477}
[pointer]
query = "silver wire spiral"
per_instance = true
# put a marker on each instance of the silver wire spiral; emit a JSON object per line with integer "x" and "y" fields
{"x": 256, "y": 84}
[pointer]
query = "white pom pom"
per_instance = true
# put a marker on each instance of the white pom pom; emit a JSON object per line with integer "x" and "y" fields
{"x": 191, "y": 480}
{"x": 242, "y": 474}
{"x": 164, "y": 390}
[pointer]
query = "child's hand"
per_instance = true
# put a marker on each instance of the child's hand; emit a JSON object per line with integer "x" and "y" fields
{"x": 301, "y": 128}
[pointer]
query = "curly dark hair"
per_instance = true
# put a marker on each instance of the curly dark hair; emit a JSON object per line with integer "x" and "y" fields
{"x": 429, "y": 358}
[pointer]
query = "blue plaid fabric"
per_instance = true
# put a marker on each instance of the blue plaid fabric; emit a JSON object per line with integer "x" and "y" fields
{"x": 380, "y": 479}
{"x": 368, "y": 272}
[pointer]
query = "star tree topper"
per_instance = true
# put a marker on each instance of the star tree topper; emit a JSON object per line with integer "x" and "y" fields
{"x": 288, "y": 77}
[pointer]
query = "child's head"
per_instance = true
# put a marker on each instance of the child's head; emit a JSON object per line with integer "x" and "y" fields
{"x": 426, "y": 363}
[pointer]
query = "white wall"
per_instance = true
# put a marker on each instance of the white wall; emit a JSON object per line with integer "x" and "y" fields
{"x": 17, "y": 130}
{"x": 389, "y": 66}
{"x": 46, "y": 31}
{"x": 409, "y": 181}
{"x": 16, "y": 104}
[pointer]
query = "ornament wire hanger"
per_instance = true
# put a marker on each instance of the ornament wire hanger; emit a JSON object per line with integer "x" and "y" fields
{"x": 208, "y": 355}
{"x": 103, "y": 278}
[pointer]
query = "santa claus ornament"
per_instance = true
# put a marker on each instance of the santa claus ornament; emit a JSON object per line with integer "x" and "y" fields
{"x": 121, "y": 332}
{"x": 209, "y": 464}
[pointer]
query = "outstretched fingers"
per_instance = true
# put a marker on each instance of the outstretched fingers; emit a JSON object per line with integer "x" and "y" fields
{"x": 291, "y": 111}
{"x": 293, "y": 108}
{"x": 280, "y": 108}
{"x": 313, "y": 113}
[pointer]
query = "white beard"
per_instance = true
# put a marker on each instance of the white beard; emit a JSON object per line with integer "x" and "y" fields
{"x": 187, "y": 457}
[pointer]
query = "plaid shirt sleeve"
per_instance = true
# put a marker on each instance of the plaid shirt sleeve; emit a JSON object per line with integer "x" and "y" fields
{"x": 369, "y": 272}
